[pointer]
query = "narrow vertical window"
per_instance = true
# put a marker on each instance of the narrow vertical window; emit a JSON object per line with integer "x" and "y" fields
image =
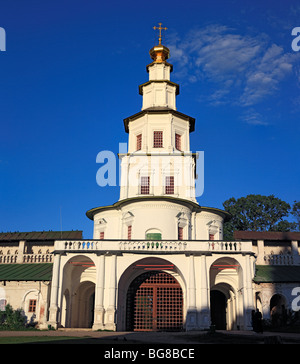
{"x": 102, "y": 235}
{"x": 2, "y": 304}
{"x": 178, "y": 141}
{"x": 145, "y": 185}
{"x": 158, "y": 139}
{"x": 32, "y": 306}
{"x": 169, "y": 188}
{"x": 211, "y": 236}
{"x": 139, "y": 142}
{"x": 180, "y": 233}
{"x": 129, "y": 229}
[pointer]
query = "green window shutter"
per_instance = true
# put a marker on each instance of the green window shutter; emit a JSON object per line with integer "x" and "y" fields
{"x": 153, "y": 236}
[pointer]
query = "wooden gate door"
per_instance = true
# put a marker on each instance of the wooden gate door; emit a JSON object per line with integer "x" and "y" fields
{"x": 158, "y": 303}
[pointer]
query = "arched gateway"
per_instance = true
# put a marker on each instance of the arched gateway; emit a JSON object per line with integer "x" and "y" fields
{"x": 154, "y": 303}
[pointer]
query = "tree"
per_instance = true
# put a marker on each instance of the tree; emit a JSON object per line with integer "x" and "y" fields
{"x": 257, "y": 213}
{"x": 296, "y": 213}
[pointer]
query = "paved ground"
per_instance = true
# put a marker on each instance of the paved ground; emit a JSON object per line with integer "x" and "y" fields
{"x": 194, "y": 337}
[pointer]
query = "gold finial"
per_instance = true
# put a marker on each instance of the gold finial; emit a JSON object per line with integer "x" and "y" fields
{"x": 160, "y": 28}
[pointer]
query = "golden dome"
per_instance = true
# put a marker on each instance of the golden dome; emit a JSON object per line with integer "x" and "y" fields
{"x": 159, "y": 53}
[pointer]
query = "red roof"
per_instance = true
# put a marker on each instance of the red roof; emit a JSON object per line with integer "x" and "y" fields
{"x": 266, "y": 235}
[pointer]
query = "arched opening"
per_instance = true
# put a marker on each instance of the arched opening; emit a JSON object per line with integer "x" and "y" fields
{"x": 83, "y": 305}
{"x": 278, "y": 310}
{"x": 65, "y": 311}
{"x": 154, "y": 303}
{"x": 226, "y": 307}
{"x": 77, "y": 302}
{"x": 218, "y": 306}
{"x": 133, "y": 271}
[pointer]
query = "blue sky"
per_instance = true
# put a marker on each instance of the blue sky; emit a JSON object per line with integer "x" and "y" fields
{"x": 70, "y": 75}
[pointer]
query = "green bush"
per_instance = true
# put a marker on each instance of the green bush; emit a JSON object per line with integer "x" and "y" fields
{"x": 12, "y": 319}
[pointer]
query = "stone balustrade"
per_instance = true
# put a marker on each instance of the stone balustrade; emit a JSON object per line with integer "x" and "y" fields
{"x": 279, "y": 259}
{"x": 26, "y": 258}
{"x": 152, "y": 245}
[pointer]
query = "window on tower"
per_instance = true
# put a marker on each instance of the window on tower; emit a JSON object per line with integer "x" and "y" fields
{"x": 139, "y": 142}
{"x": 145, "y": 185}
{"x": 129, "y": 229}
{"x": 180, "y": 233}
{"x": 169, "y": 188}
{"x": 178, "y": 141}
{"x": 102, "y": 235}
{"x": 158, "y": 139}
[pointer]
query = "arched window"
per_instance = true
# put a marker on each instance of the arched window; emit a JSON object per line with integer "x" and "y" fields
{"x": 278, "y": 310}
{"x": 153, "y": 234}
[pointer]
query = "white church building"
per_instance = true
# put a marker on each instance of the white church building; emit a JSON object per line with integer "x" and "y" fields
{"x": 157, "y": 256}
{"x": 157, "y": 260}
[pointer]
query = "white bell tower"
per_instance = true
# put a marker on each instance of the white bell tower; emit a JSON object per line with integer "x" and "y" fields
{"x": 159, "y": 161}
{"x": 158, "y": 170}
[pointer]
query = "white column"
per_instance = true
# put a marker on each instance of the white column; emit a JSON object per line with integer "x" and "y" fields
{"x": 111, "y": 311}
{"x": 191, "y": 319}
{"x": 99, "y": 294}
{"x": 260, "y": 252}
{"x": 248, "y": 294}
{"x": 53, "y": 311}
{"x": 192, "y": 285}
{"x": 204, "y": 308}
{"x": 21, "y": 251}
{"x": 295, "y": 252}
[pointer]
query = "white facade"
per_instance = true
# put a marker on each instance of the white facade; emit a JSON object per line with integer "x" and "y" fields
{"x": 91, "y": 278}
{"x": 111, "y": 266}
{"x": 163, "y": 215}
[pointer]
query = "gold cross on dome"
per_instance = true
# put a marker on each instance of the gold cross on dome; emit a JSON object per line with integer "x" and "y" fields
{"x": 160, "y": 28}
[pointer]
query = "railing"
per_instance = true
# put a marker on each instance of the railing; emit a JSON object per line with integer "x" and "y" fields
{"x": 225, "y": 246}
{"x": 8, "y": 259}
{"x": 26, "y": 258}
{"x": 153, "y": 246}
{"x": 144, "y": 246}
{"x": 37, "y": 258}
{"x": 279, "y": 259}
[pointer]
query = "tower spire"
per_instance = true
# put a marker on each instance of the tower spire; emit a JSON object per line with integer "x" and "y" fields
{"x": 159, "y": 53}
{"x": 160, "y": 28}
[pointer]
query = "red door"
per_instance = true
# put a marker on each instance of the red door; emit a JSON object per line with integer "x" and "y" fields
{"x": 157, "y": 303}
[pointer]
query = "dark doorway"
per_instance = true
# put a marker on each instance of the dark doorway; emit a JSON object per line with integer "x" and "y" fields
{"x": 154, "y": 303}
{"x": 218, "y": 309}
{"x": 83, "y": 306}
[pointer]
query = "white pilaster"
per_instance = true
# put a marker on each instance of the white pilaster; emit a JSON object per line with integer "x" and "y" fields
{"x": 248, "y": 294}
{"x": 53, "y": 310}
{"x": 191, "y": 319}
{"x": 295, "y": 252}
{"x": 21, "y": 251}
{"x": 204, "y": 294}
{"x": 99, "y": 294}
{"x": 260, "y": 252}
{"x": 111, "y": 311}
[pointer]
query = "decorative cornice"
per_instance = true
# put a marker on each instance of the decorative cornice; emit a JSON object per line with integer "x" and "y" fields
{"x": 159, "y": 81}
{"x": 159, "y": 110}
{"x": 193, "y": 206}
